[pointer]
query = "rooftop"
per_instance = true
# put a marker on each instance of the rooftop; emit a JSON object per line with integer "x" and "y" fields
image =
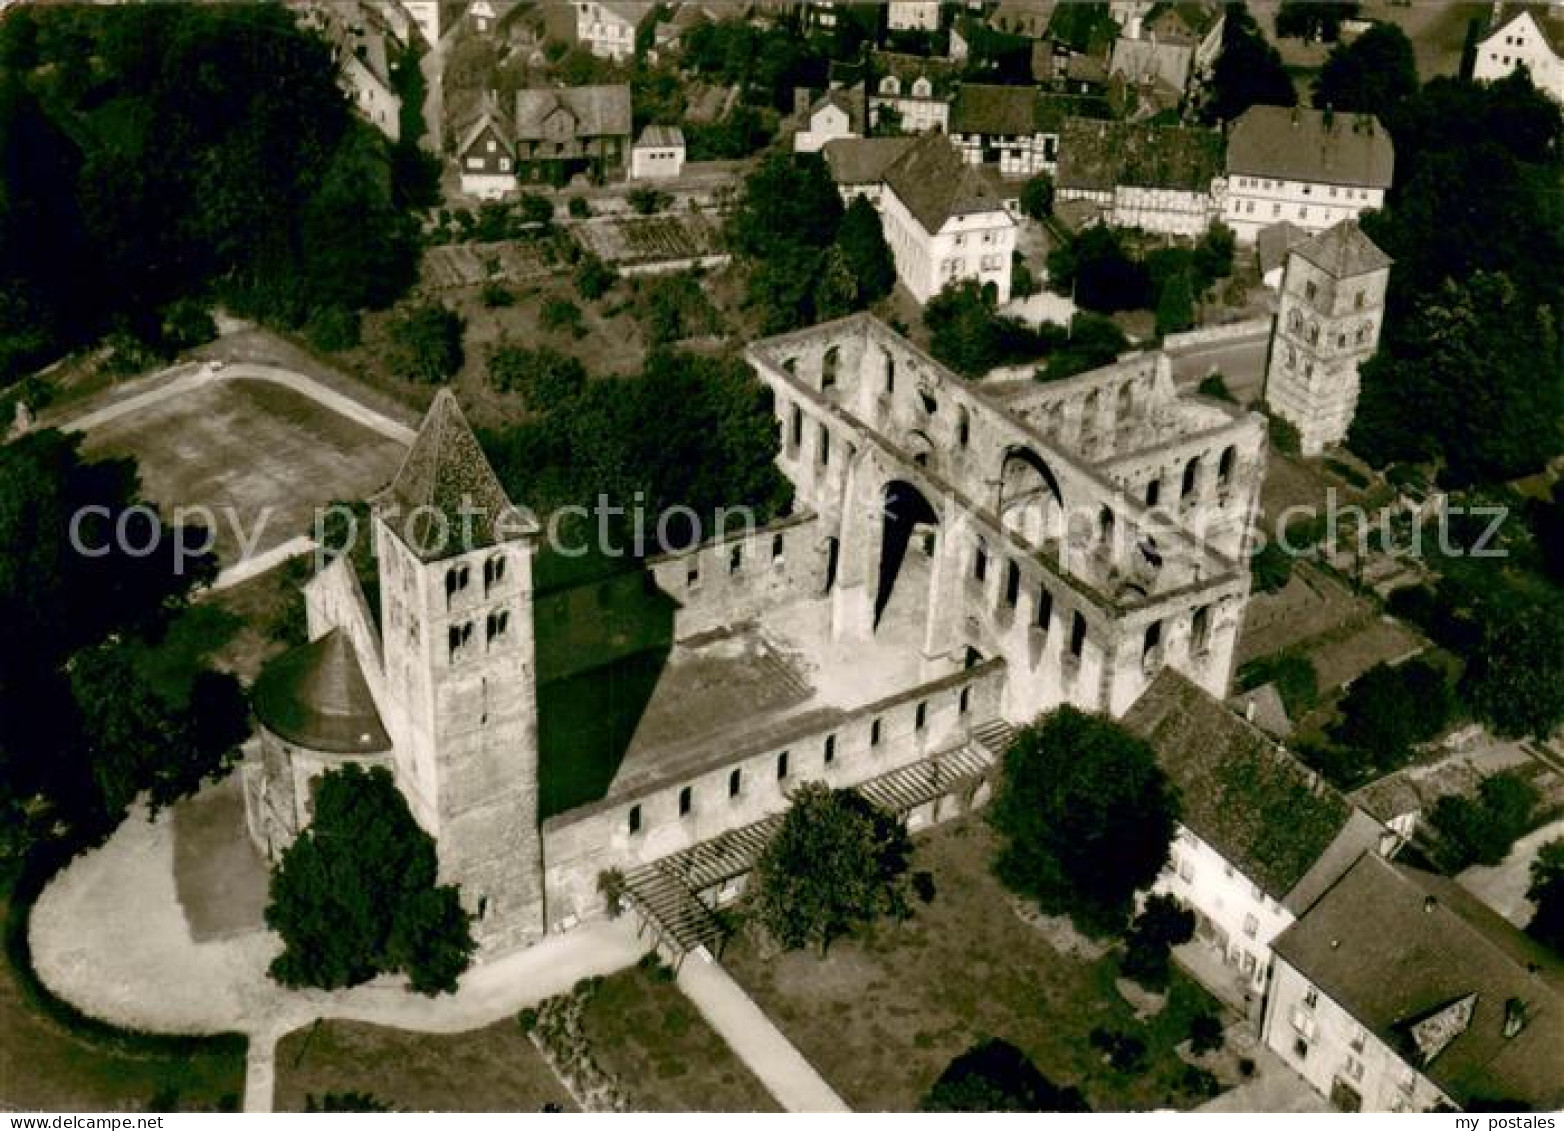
{"x": 1397, "y": 947}
{"x": 660, "y": 136}
{"x": 1099, "y": 155}
{"x": 935, "y": 183}
{"x": 1344, "y": 251}
{"x": 445, "y": 499}
{"x": 594, "y": 111}
{"x": 1242, "y": 794}
{"x": 1548, "y": 18}
{"x": 315, "y": 696}
{"x": 863, "y": 161}
{"x": 1294, "y": 143}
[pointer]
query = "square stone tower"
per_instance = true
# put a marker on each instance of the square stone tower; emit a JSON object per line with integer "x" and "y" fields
{"x": 460, "y": 672}
{"x": 1332, "y": 308}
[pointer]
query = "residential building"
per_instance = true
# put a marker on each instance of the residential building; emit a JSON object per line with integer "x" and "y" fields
{"x": 553, "y": 135}
{"x": 909, "y": 92}
{"x": 1310, "y": 167}
{"x": 912, "y": 15}
{"x": 363, "y": 42}
{"x": 658, "y": 154}
{"x": 1260, "y": 836}
{"x": 1014, "y": 128}
{"x": 1158, "y": 70}
{"x": 1133, "y": 175}
{"x": 1525, "y": 35}
{"x": 1029, "y": 18}
{"x": 858, "y": 164}
{"x": 608, "y": 28}
{"x": 944, "y": 222}
{"x": 1327, "y": 325}
{"x": 1196, "y": 24}
{"x": 836, "y": 114}
{"x": 427, "y": 16}
{"x": 1398, "y": 991}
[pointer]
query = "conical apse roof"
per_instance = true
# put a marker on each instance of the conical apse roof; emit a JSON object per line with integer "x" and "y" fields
{"x": 316, "y": 696}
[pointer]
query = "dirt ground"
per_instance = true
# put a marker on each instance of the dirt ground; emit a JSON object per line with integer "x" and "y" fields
{"x": 262, "y": 458}
{"x": 881, "y": 1017}
{"x": 492, "y": 1069}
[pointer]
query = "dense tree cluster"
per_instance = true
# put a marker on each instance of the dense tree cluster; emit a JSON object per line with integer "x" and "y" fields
{"x": 1482, "y": 830}
{"x": 968, "y": 334}
{"x": 1314, "y": 19}
{"x": 1387, "y": 710}
{"x": 1104, "y": 275}
{"x": 714, "y": 446}
{"x": 836, "y": 862}
{"x": 182, "y": 150}
{"x": 1546, "y": 890}
{"x": 1248, "y": 72}
{"x": 86, "y": 720}
{"x": 1373, "y": 74}
{"x": 355, "y": 895}
{"x": 1475, "y": 223}
{"x": 806, "y": 260}
{"x": 1162, "y": 924}
{"x": 1086, "y": 816}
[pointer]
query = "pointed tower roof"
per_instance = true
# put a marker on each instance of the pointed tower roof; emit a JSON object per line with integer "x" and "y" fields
{"x": 1343, "y": 251}
{"x": 316, "y": 696}
{"x": 446, "y": 499}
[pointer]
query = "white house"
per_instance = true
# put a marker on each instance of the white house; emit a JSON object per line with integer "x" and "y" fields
{"x": 1197, "y": 24}
{"x": 909, "y": 15}
{"x": 1311, "y": 168}
{"x": 425, "y": 15}
{"x": 1398, "y": 991}
{"x": 361, "y": 39}
{"x": 1261, "y": 837}
{"x": 836, "y": 114}
{"x": 911, "y": 91}
{"x": 1530, "y": 36}
{"x": 658, "y": 154}
{"x": 1164, "y": 179}
{"x": 944, "y": 222}
{"x": 608, "y": 28}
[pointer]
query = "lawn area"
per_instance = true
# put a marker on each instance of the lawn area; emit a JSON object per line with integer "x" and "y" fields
{"x": 881, "y": 1017}
{"x": 260, "y": 456}
{"x": 45, "y": 1066}
{"x": 491, "y": 1069}
{"x": 648, "y": 1035}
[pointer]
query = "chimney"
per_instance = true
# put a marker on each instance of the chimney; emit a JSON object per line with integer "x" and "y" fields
{"x": 1514, "y": 1017}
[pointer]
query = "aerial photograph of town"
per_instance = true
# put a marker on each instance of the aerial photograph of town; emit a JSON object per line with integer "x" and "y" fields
{"x": 781, "y": 556}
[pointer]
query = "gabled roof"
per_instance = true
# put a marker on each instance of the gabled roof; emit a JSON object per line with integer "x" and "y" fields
{"x": 908, "y": 69}
{"x": 660, "y": 137}
{"x": 934, "y": 183}
{"x": 1188, "y": 21}
{"x": 630, "y": 11}
{"x": 1096, "y": 155}
{"x": 1548, "y": 19}
{"x": 1395, "y": 946}
{"x": 315, "y": 696}
{"x": 490, "y": 119}
{"x": 863, "y": 160}
{"x": 599, "y": 111}
{"x": 1264, "y": 811}
{"x": 1274, "y": 242}
{"x": 995, "y": 111}
{"x": 849, "y": 100}
{"x": 445, "y": 499}
{"x": 1342, "y": 250}
{"x": 1294, "y": 143}
{"x": 1142, "y": 59}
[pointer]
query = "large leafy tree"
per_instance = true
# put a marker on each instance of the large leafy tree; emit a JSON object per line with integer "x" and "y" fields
{"x": 995, "y": 1075}
{"x": 786, "y": 217}
{"x": 861, "y": 239}
{"x": 1515, "y": 671}
{"x": 1388, "y": 709}
{"x": 1085, "y": 815}
{"x": 835, "y": 863}
{"x": 1314, "y": 19}
{"x": 356, "y": 894}
{"x": 1485, "y": 366}
{"x": 1249, "y": 71}
{"x": 1373, "y": 74}
{"x": 1547, "y": 892}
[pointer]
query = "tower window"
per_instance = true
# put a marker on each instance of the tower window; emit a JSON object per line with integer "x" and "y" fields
{"x": 874, "y": 733}
{"x": 686, "y": 800}
{"x": 497, "y": 624}
{"x": 797, "y": 426}
{"x": 964, "y": 700}
{"x": 1012, "y": 583}
{"x": 455, "y": 581}
{"x": 493, "y": 572}
{"x": 963, "y": 427}
{"x": 825, "y": 446}
{"x": 1200, "y": 630}
{"x": 782, "y": 766}
{"x": 457, "y": 637}
{"x": 1045, "y": 607}
{"x": 920, "y": 717}
{"x": 736, "y": 559}
{"x": 735, "y": 783}
{"x": 1078, "y": 636}
{"x": 634, "y": 819}
{"x": 1191, "y": 477}
{"x": 1152, "y": 640}
{"x": 778, "y": 545}
{"x": 830, "y": 749}
{"x": 890, "y": 374}
{"x": 828, "y": 368}
{"x": 980, "y": 561}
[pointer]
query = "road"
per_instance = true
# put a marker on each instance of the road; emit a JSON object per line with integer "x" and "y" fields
{"x": 1241, "y": 363}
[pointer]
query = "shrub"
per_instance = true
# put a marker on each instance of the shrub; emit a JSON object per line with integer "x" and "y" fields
{"x": 646, "y": 200}
{"x": 535, "y": 209}
{"x": 496, "y": 294}
{"x": 578, "y": 208}
{"x": 1124, "y": 1052}
{"x": 426, "y": 343}
{"x": 1205, "y": 1033}
{"x": 333, "y": 328}
{"x": 1214, "y": 385}
{"x": 1270, "y": 568}
{"x": 594, "y": 278}
{"x": 187, "y": 323}
{"x": 561, "y": 314}
{"x": 546, "y": 377}
{"x": 1161, "y": 925}
{"x": 1482, "y": 831}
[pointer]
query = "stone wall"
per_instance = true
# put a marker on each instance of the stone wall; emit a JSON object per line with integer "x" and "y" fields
{"x": 840, "y": 748}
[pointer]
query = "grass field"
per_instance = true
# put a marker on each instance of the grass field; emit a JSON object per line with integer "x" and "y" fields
{"x": 45, "y": 1066}
{"x": 252, "y": 452}
{"x": 881, "y": 1017}
{"x": 492, "y": 1069}
{"x": 644, "y": 1032}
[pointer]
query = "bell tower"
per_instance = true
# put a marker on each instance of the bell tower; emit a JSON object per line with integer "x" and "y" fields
{"x": 1327, "y": 325}
{"x": 459, "y": 659}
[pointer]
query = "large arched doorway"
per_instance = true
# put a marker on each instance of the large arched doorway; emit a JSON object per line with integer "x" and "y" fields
{"x": 907, "y": 549}
{"x": 1030, "y": 502}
